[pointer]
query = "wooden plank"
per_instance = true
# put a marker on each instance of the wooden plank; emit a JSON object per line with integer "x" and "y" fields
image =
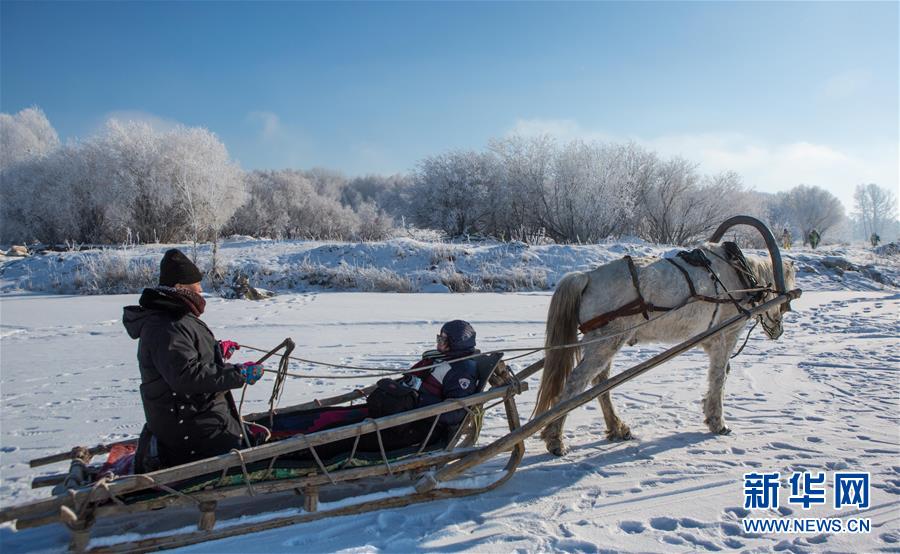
{"x": 448, "y": 472}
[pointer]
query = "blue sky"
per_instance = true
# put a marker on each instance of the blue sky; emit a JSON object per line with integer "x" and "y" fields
{"x": 783, "y": 93}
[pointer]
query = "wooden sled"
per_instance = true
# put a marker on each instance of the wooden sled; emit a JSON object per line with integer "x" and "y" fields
{"x": 111, "y": 515}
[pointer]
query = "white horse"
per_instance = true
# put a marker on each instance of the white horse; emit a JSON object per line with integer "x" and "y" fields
{"x": 580, "y": 297}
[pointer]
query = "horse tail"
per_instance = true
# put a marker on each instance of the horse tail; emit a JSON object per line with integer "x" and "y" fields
{"x": 562, "y": 328}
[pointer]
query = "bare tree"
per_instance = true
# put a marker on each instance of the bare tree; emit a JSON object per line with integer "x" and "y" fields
{"x": 876, "y": 208}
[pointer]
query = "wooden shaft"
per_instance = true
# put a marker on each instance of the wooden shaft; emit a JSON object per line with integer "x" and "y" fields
{"x": 506, "y": 442}
{"x": 262, "y": 452}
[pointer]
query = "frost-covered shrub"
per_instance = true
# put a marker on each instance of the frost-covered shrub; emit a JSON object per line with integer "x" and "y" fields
{"x": 455, "y": 280}
{"x": 114, "y": 272}
{"x": 500, "y": 279}
{"x": 351, "y": 277}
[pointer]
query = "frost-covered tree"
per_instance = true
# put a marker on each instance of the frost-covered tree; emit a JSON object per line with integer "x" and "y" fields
{"x": 806, "y": 208}
{"x": 527, "y": 166}
{"x": 391, "y": 194}
{"x": 590, "y": 192}
{"x": 451, "y": 191}
{"x": 876, "y": 209}
{"x": 128, "y": 182}
{"x": 25, "y": 135}
{"x": 285, "y": 204}
{"x": 208, "y": 186}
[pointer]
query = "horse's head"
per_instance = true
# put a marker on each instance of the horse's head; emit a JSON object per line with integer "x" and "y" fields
{"x": 771, "y": 319}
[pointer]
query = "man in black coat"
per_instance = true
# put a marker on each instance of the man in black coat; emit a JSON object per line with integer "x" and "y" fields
{"x": 185, "y": 381}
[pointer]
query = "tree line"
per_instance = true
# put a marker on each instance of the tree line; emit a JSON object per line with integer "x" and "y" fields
{"x": 134, "y": 183}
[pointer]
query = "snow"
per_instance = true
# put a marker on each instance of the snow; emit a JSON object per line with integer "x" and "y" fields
{"x": 399, "y": 265}
{"x": 826, "y": 396}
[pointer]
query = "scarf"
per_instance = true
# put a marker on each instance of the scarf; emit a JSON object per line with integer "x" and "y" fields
{"x": 192, "y": 301}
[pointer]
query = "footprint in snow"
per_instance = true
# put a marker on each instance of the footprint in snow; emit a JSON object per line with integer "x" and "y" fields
{"x": 785, "y": 511}
{"x": 739, "y": 512}
{"x": 632, "y": 527}
{"x": 664, "y": 523}
{"x": 697, "y": 541}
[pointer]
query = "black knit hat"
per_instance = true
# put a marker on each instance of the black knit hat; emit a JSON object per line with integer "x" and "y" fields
{"x": 175, "y": 268}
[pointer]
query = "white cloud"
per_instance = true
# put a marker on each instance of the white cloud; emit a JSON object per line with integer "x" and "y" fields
{"x": 766, "y": 166}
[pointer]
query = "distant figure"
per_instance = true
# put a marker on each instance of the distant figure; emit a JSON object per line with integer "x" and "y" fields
{"x": 786, "y": 239}
{"x": 874, "y": 239}
{"x": 813, "y": 239}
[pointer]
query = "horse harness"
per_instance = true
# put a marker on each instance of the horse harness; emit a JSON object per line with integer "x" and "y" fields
{"x": 697, "y": 257}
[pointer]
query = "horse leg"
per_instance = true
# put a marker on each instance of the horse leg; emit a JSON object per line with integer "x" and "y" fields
{"x": 616, "y": 430}
{"x": 577, "y": 382}
{"x": 719, "y": 351}
{"x": 581, "y": 375}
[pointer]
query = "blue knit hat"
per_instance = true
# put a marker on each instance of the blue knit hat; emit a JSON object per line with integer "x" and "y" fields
{"x": 460, "y": 335}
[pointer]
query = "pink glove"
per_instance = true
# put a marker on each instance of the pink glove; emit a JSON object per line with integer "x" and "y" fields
{"x": 228, "y": 347}
{"x": 251, "y": 372}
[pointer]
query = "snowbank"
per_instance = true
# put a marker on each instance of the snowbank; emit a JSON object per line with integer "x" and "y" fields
{"x": 399, "y": 265}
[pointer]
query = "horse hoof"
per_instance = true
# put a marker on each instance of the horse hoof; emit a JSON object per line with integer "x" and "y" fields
{"x": 623, "y": 433}
{"x": 557, "y": 449}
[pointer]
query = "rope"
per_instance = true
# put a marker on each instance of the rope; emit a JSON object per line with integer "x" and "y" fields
{"x": 381, "y": 446}
{"x": 315, "y": 454}
{"x": 428, "y": 436}
{"x": 469, "y": 414}
{"x": 746, "y": 339}
{"x": 166, "y": 488}
{"x": 244, "y": 471}
{"x": 278, "y": 386}
{"x": 353, "y": 450}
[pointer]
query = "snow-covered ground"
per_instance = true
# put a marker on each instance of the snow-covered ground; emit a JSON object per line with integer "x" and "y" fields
{"x": 825, "y": 397}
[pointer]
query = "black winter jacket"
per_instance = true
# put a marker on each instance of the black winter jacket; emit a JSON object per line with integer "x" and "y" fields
{"x": 450, "y": 379}
{"x": 185, "y": 382}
